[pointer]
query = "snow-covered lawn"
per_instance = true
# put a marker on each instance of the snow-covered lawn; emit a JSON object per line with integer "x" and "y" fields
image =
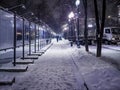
{"x": 98, "y": 74}
{"x": 66, "y": 68}
{"x": 110, "y": 54}
{"x": 114, "y": 47}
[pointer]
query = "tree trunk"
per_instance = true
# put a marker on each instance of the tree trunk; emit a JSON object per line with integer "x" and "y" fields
{"x": 86, "y": 30}
{"x": 99, "y": 28}
{"x": 102, "y": 24}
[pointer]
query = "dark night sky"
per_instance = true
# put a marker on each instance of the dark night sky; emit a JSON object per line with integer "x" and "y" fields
{"x": 53, "y": 12}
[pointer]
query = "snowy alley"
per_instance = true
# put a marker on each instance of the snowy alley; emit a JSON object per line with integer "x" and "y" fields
{"x": 66, "y": 68}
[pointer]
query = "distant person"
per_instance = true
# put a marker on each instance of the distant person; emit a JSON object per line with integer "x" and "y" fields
{"x": 57, "y": 38}
{"x": 71, "y": 43}
{"x": 47, "y": 41}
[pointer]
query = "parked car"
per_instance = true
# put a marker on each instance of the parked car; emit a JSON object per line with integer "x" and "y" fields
{"x": 111, "y": 35}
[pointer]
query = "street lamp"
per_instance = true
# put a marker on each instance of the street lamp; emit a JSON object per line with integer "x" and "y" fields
{"x": 37, "y": 21}
{"x": 37, "y": 36}
{"x": 23, "y": 35}
{"x": 14, "y": 44}
{"x": 77, "y": 3}
{"x": 31, "y": 14}
{"x": 29, "y": 19}
{"x": 14, "y": 7}
{"x": 71, "y": 17}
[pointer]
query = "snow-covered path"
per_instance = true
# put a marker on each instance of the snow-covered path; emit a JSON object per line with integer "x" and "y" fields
{"x": 53, "y": 71}
{"x": 67, "y": 68}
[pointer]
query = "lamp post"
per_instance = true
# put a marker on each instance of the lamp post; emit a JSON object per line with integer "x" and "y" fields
{"x": 14, "y": 7}
{"x": 23, "y": 35}
{"x": 77, "y": 3}
{"x": 17, "y": 6}
{"x": 31, "y": 13}
{"x": 14, "y": 62}
{"x": 30, "y": 36}
{"x": 23, "y": 40}
{"x": 35, "y": 41}
{"x": 70, "y": 16}
{"x": 37, "y": 35}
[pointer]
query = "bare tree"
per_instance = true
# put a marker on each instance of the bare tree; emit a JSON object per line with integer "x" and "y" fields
{"x": 86, "y": 30}
{"x": 100, "y": 27}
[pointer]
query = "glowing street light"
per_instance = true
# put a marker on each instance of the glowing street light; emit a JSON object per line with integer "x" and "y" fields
{"x": 77, "y": 2}
{"x": 71, "y": 15}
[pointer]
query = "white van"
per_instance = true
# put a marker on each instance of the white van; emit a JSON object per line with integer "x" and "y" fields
{"x": 111, "y": 35}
